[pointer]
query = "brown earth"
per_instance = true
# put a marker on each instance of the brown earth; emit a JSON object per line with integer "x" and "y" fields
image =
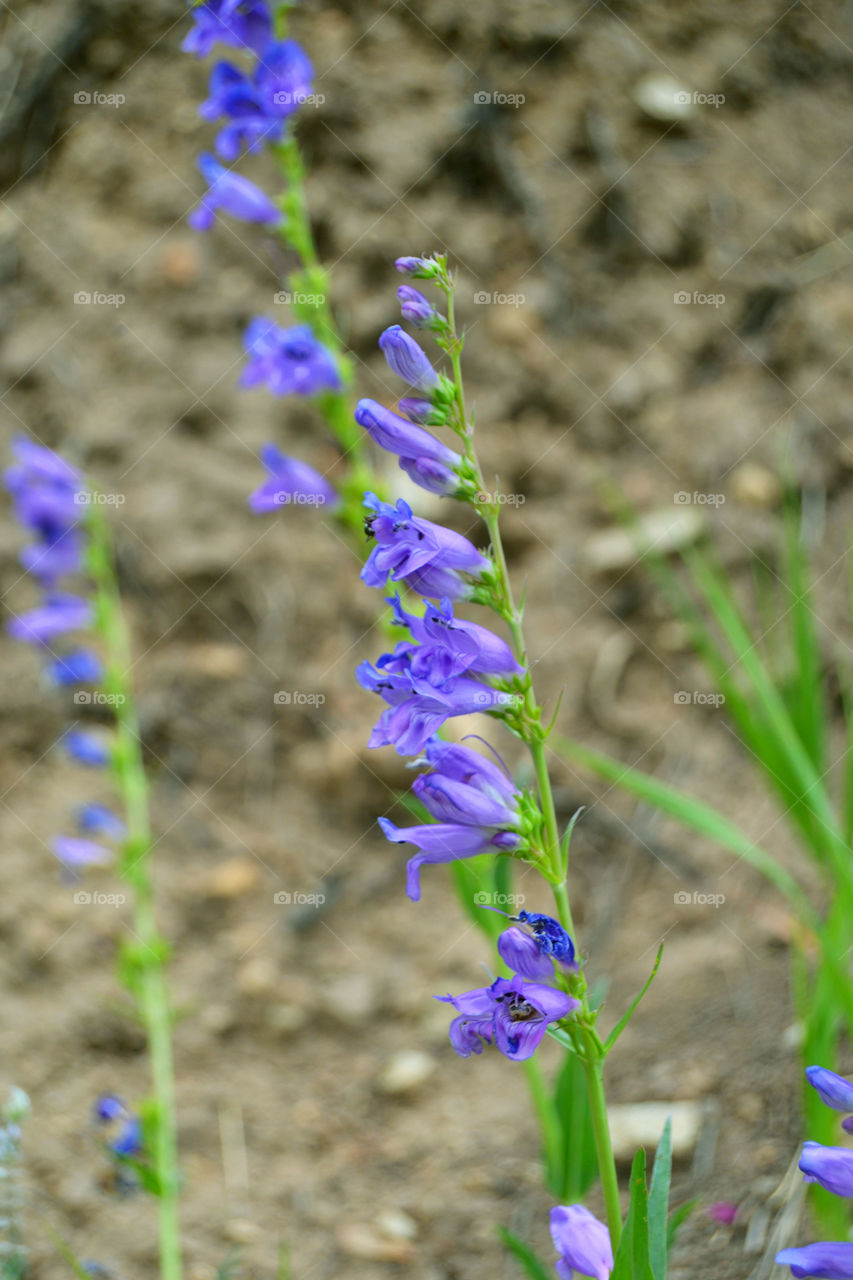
{"x": 598, "y": 215}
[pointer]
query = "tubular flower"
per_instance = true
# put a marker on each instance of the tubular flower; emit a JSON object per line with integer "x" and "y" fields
{"x": 240, "y": 23}
{"x": 834, "y": 1090}
{"x": 417, "y": 309}
{"x": 407, "y": 360}
{"x": 482, "y": 651}
{"x": 426, "y": 460}
{"x": 582, "y": 1242}
{"x": 511, "y": 1014}
{"x": 291, "y": 482}
{"x": 258, "y": 106}
{"x": 287, "y": 361}
{"x": 426, "y": 556}
{"x": 232, "y": 194}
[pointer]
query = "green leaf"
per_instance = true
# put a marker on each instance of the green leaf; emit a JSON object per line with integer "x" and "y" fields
{"x": 676, "y": 1218}
{"x": 578, "y": 1161}
{"x": 531, "y": 1264}
{"x": 629, "y": 1012}
{"x": 659, "y": 1203}
{"x": 632, "y": 1257}
{"x": 66, "y": 1253}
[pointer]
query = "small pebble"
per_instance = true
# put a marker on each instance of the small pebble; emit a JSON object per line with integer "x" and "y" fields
{"x": 358, "y": 1240}
{"x": 640, "y": 1124}
{"x": 755, "y": 485}
{"x": 396, "y": 1225}
{"x": 242, "y": 1231}
{"x": 405, "y": 1072}
{"x": 662, "y": 98}
{"x": 233, "y": 878}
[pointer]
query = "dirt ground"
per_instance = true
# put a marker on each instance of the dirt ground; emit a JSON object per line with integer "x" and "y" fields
{"x": 598, "y": 215}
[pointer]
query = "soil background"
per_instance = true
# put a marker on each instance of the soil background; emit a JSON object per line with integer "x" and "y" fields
{"x": 668, "y": 308}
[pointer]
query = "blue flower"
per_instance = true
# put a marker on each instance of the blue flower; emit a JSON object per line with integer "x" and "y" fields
{"x": 47, "y": 493}
{"x": 291, "y": 483}
{"x": 417, "y": 309}
{"x": 87, "y": 748}
{"x": 114, "y": 1114}
{"x": 480, "y": 649}
{"x": 444, "y": 842}
{"x": 582, "y": 1242}
{"x": 81, "y": 666}
{"x": 512, "y": 1014}
{"x": 233, "y": 194}
{"x": 287, "y": 361}
{"x": 827, "y": 1261}
{"x": 407, "y": 360}
{"x": 834, "y": 1090}
{"x": 427, "y": 557}
{"x": 59, "y": 612}
{"x": 77, "y": 851}
{"x": 258, "y": 107}
{"x": 429, "y": 463}
{"x": 832, "y": 1167}
{"x": 240, "y": 23}
{"x": 98, "y": 820}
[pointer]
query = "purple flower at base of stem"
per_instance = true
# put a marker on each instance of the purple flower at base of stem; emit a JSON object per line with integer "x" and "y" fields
{"x": 582, "y": 1242}
{"x": 512, "y": 1014}
{"x": 829, "y": 1260}
{"x": 233, "y": 194}
{"x": 291, "y": 483}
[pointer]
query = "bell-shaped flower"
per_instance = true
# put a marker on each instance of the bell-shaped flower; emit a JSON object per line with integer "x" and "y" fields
{"x": 407, "y": 359}
{"x": 582, "y": 1242}
{"x": 426, "y": 556}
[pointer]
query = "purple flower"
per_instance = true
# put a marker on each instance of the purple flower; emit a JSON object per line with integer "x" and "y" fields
{"x": 109, "y": 1107}
{"x": 112, "y": 1111}
{"x": 75, "y": 851}
{"x": 482, "y": 651}
{"x": 826, "y": 1261}
{"x": 833, "y": 1089}
{"x": 98, "y": 820}
{"x": 257, "y": 107}
{"x": 47, "y": 491}
{"x": 240, "y": 23}
{"x": 422, "y": 268}
{"x": 582, "y": 1242}
{"x": 287, "y": 361}
{"x": 79, "y": 667}
{"x": 417, "y": 309}
{"x": 521, "y": 953}
{"x": 414, "y": 550}
{"x": 832, "y": 1167}
{"x": 511, "y": 1014}
{"x": 87, "y": 748}
{"x": 58, "y": 613}
{"x": 414, "y": 409}
{"x": 444, "y": 842}
{"x": 449, "y": 800}
{"x": 724, "y": 1212}
{"x": 233, "y": 194}
{"x": 407, "y": 360}
{"x": 427, "y": 457}
{"x": 291, "y": 483}
{"x": 468, "y": 766}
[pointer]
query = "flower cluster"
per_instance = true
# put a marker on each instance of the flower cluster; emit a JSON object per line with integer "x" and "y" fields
{"x": 831, "y": 1168}
{"x": 257, "y": 106}
{"x": 49, "y": 498}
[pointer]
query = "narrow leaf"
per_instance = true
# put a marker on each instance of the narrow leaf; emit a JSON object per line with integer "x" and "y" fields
{"x": 629, "y": 1012}
{"x": 531, "y": 1264}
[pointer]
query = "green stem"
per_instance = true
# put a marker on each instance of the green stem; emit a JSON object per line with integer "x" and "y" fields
{"x": 593, "y": 1051}
{"x": 148, "y": 968}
